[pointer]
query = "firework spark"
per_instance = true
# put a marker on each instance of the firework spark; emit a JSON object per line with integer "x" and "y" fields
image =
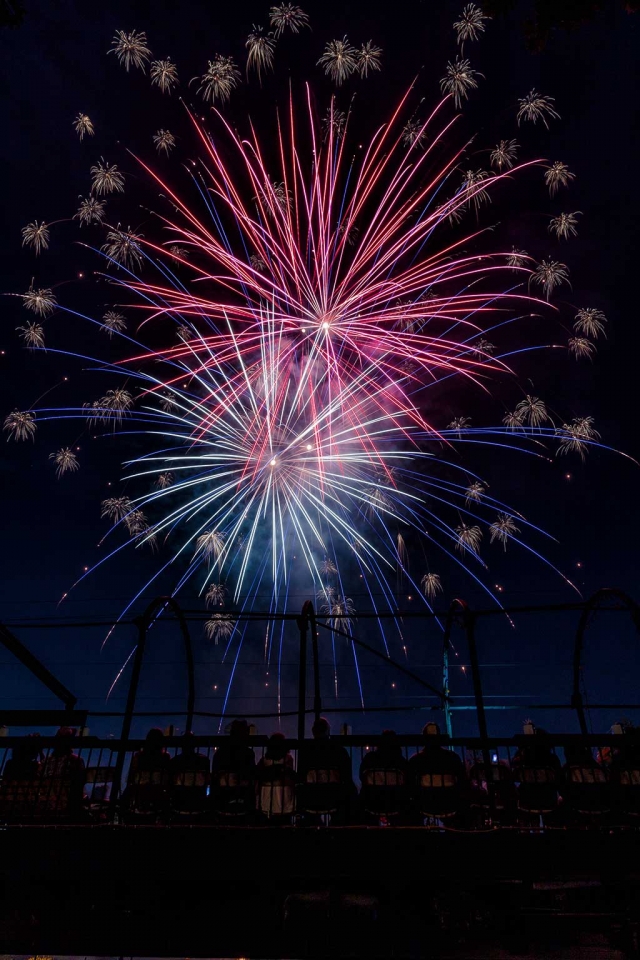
{"x": 549, "y": 274}
{"x": 431, "y": 585}
{"x": 471, "y": 23}
{"x": 581, "y": 348}
{"x": 123, "y": 246}
{"x": 503, "y": 528}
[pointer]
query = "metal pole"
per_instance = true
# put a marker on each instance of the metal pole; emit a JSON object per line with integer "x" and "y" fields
{"x": 317, "y": 702}
{"x": 131, "y": 702}
{"x": 445, "y": 687}
{"x": 470, "y": 625}
{"x": 302, "y": 675}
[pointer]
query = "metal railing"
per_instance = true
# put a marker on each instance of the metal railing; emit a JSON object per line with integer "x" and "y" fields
{"x": 527, "y": 782}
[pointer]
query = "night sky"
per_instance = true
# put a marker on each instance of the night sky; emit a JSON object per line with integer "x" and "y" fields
{"x": 56, "y": 65}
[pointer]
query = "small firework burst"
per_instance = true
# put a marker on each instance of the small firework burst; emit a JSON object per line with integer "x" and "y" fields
{"x": 113, "y": 322}
{"x": 20, "y": 425}
{"x": 474, "y": 492}
{"x": 581, "y": 348}
{"x": 517, "y": 258}
{"x": 413, "y": 133}
{"x": 219, "y": 627}
{"x": 576, "y": 436}
{"x": 219, "y": 80}
{"x": 131, "y": 49}
{"x": 468, "y": 538}
{"x": 558, "y": 175}
{"x": 65, "y": 460}
{"x": 116, "y": 508}
{"x": 368, "y": 58}
{"x": 504, "y": 155}
{"x": 262, "y": 48}
{"x": 90, "y": 211}
{"x": 106, "y": 178}
{"x": 123, "y": 246}
{"x": 215, "y": 595}
{"x": 335, "y": 121}
{"x": 590, "y": 322}
{"x": 533, "y": 411}
{"x": 42, "y": 301}
{"x": 502, "y": 528}
{"x": 164, "y": 141}
{"x": 164, "y": 75}
{"x": 431, "y": 585}
{"x": 535, "y": 107}
{"x": 83, "y": 126}
{"x": 549, "y": 274}
{"x": 459, "y": 79}
{"x": 565, "y": 225}
{"x": 32, "y": 335}
{"x": 475, "y": 194}
{"x": 471, "y": 23}
{"x": 164, "y": 480}
{"x": 288, "y": 16}
{"x": 339, "y": 60}
{"x": 36, "y": 236}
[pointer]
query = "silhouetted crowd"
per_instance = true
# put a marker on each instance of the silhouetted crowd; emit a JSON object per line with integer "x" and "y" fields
{"x": 433, "y": 787}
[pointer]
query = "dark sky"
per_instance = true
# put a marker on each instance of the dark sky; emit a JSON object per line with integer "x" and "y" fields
{"x": 56, "y": 64}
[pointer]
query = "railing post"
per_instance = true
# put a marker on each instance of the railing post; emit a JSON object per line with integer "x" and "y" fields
{"x": 302, "y": 674}
{"x": 470, "y": 625}
{"x": 317, "y": 701}
{"x": 141, "y": 624}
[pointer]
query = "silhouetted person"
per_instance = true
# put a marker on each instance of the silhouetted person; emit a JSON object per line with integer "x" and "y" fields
{"x": 62, "y": 779}
{"x": 384, "y": 775}
{"x": 585, "y": 792}
{"x": 276, "y": 780}
{"x": 20, "y": 780}
{"x": 437, "y": 777}
{"x": 148, "y": 781}
{"x": 233, "y": 774}
{"x": 539, "y": 774}
{"x": 190, "y": 776}
{"x": 325, "y": 775}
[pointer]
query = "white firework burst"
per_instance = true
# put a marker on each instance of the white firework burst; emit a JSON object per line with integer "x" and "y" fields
{"x": 549, "y": 274}
{"x": 533, "y": 410}
{"x": 565, "y": 225}
{"x": 219, "y": 80}
{"x": 262, "y": 48}
{"x": 469, "y": 538}
{"x": 215, "y": 595}
{"x": 558, "y": 175}
{"x": 504, "y": 155}
{"x": 116, "y": 508}
{"x": 581, "y": 348}
{"x": 219, "y": 627}
{"x": 474, "y": 492}
{"x": 288, "y": 16}
{"x": 471, "y": 23}
{"x": 210, "y": 545}
{"x": 368, "y": 58}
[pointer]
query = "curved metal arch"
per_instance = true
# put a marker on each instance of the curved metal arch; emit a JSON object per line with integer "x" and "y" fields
{"x": 591, "y": 605}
